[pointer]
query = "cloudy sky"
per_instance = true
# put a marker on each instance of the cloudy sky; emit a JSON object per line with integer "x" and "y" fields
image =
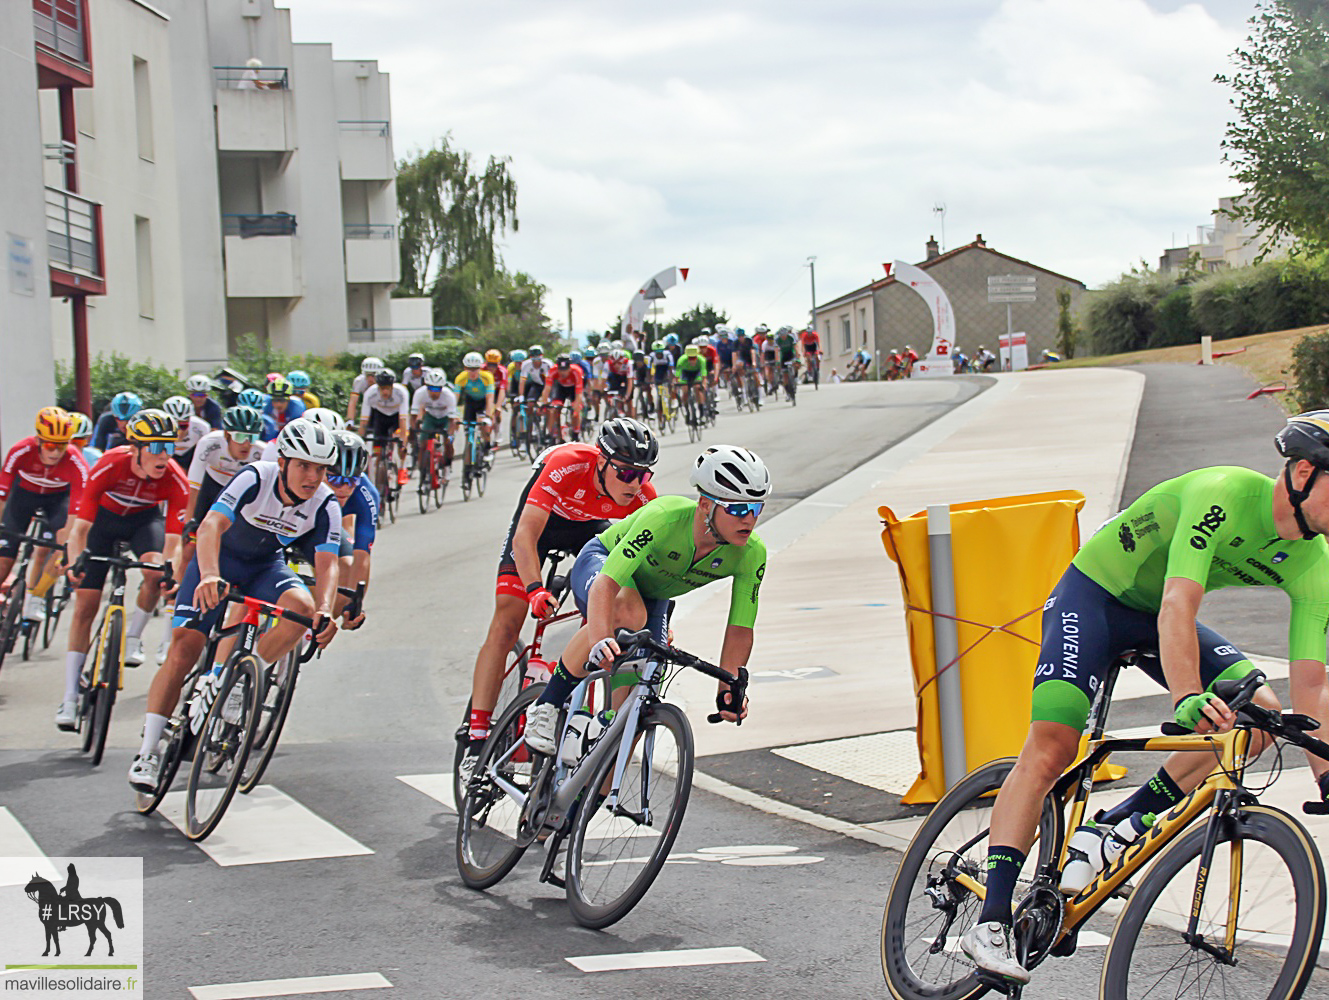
{"x": 738, "y": 137}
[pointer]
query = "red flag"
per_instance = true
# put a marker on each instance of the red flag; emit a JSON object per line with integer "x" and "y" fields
{"x": 683, "y": 271}
{"x": 887, "y": 269}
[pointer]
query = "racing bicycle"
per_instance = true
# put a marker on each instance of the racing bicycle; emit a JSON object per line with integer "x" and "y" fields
{"x": 433, "y": 483}
{"x": 474, "y": 462}
{"x": 12, "y": 623}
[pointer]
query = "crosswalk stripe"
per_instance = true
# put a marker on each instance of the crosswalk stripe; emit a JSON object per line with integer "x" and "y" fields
{"x": 20, "y": 857}
{"x": 290, "y": 987}
{"x": 664, "y": 959}
{"x": 267, "y": 826}
{"x": 437, "y": 786}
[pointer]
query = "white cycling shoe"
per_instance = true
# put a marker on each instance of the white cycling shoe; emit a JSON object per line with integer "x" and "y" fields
{"x": 990, "y": 948}
{"x": 234, "y": 709}
{"x": 163, "y": 648}
{"x": 34, "y": 608}
{"x": 541, "y": 726}
{"x": 133, "y": 651}
{"x": 145, "y": 772}
{"x": 66, "y": 716}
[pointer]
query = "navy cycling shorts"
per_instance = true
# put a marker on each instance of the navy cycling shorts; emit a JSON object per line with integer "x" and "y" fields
{"x": 266, "y": 580}
{"x": 590, "y": 560}
{"x": 1085, "y": 628}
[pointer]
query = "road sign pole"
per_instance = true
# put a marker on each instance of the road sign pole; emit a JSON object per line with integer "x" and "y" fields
{"x": 1010, "y": 341}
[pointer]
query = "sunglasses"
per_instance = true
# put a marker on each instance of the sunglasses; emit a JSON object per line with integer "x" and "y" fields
{"x": 243, "y": 437}
{"x": 161, "y": 447}
{"x": 628, "y": 474}
{"x": 435, "y": 389}
{"x": 341, "y": 480}
{"x": 198, "y": 395}
{"x": 739, "y": 509}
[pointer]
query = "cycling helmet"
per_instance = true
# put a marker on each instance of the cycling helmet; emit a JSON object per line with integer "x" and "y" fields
{"x": 82, "y": 426}
{"x": 575, "y": 355}
{"x": 671, "y": 339}
{"x": 435, "y": 378}
{"x": 281, "y": 388}
{"x": 54, "y": 425}
{"x": 251, "y": 397}
{"x": 700, "y": 341}
{"x": 385, "y": 376}
{"x": 618, "y": 354}
{"x": 629, "y": 441}
{"x": 763, "y": 328}
{"x": 603, "y": 350}
{"x": 617, "y": 345}
{"x": 304, "y": 439}
{"x": 352, "y": 455}
{"x": 416, "y": 360}
{"x": 517, "y": 355}
{"x": 242, "y": 420}
{"x": 1305, "y": 436}
{"x": 272, "y": 377}
{"x": 198, "y": 383}
{"x": 125, "y": 404}
{"x": 692, "y": 351}
{"x": 731, "y": 475}
{"x": 299, "y": 380}
{"x": 724, "y": 333}
{"x": 563, "y": 361}
{"x": 537, "y": 350}
{"x": 705, "y": 331}
{"x": 370, "y": 365}
{"x": 493, "y": 357}
{"x": 638, "y": 355}
{"x": 179, "y": 407}
{"x": 657, "y": 345}
{"x": 473, "y": 359}
{"x": 149, "y": 426}
{"x": 327, "y": 419}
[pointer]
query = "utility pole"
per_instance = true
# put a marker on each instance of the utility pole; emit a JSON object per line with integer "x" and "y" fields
{"x": 569, "y": 319}
{"x": 812, "y": 273}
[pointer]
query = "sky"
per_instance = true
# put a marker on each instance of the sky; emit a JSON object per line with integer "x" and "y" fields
{"x": 737, "y": 138}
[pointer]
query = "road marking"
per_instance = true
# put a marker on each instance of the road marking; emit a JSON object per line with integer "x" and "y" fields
{"x": 885, "y": 761}
{"x": 290, "y": 987}
{"x": 20, "y": 857}
{"x": 437, "y": 786}
{"x": 664, "y": 959}
{"x": 267, "y": 826}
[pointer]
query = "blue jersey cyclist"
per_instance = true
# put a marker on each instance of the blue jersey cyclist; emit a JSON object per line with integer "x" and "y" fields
{"x": 265, "y": 507}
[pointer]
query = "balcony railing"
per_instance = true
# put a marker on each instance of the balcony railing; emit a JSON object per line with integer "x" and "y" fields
{"x": 368, "y": 231}
{"x": 252, "y": 77}
{"x": 59, "y": 27}
{"x": 380, "y": 128}
{"x": 72, "y": 232}
{"x": 280, "y": 224}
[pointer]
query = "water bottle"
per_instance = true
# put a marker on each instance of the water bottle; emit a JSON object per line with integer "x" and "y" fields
{"x": 538, "y": 671}
{"x": 1084, "y": 858}
{"x": 1123, "y": 834}
{"x": 575, "y": 739}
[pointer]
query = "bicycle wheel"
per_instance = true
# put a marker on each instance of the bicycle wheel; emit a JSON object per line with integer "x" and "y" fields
{"x": 425, "y": 485}
{"x": 488, "y": 821}
{"x": 393, "y": 496}
{"x": 222, "y": 749}
{"x": 1279, "y": 914}
{"x": 108, "y": 680}
{"x": 56, "y": 598}
{"x": 30, "y": 631}
{"x": 9, "y": 624}
{"x": 272, "y": 712}
{"x": 614, "y": 856}
{"x": 175, "y": 746}
{"x": 927, "y": 910}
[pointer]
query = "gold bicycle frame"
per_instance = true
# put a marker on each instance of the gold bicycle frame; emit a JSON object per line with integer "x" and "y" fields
{"x": 111, "y": 610}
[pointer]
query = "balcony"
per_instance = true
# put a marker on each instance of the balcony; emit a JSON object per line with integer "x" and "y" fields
{"x": 74, "y": 244}
{"x": 372, "y": 254}
{"x": 366, "y": 151}
{"x": 254, "y": 109}
{"x": 263, "y": 259}
{"x": 64, "y": 55}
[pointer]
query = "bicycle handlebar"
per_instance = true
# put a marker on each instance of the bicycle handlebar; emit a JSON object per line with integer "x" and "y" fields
{"x": 23, "y": 536}
{"x": 166, "y": 569}
{"x": 737, "y": 683}
{"x": 229, "y": 596}
{"x": 1236, "y": 694}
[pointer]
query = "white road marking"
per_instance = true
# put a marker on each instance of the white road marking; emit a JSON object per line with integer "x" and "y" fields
{"x": 665, "y": 959}
{"x": 290, "y": 987}
{"x": 437, "y": 786}
{"x": 267, "y": 826}
{"x": 20, "y": 857}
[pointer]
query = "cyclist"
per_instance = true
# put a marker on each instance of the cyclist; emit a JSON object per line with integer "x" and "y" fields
{"x": 564, "y": 387}
{"x": 265, "y": 507}
{"x": 434, "y": 411}
{"x": 83, "y": 437}
{"x": 810, "y": 341}
{"x": 283, "y": 406}
{"x": 910, "y": 358}
{"x": 1049, "y": 357}
{"x": 985, "y": 359}
{"x": 386, "y": 412}
{"x": 641, "y": 377}
{"x": 192, "y": 429}
{"x": 123, "y": 502}
{"x": 662, "y": 371}
{"x": 413, "y": 375}
{"x": 300, "y": 382}
{"x": 517, "y": 357}
{"x": 691, "y": 374}
{"x": 673, "y": 346}
{"x": 786, "y": 344}
{"x": 534, "y": 370}
{"x": 359, "y": 502}
{"x": 599, "y": 375}
{"x": 369, "y": 367}
{"x": 110, "y": 429}
{"x": 745, "y": 352}
{"x": 619, "y": 379}
{"x": 712, "y": 356}
{"x": 896, "y": 363}
{"x": 197, "y": 387}
{"x": 572, "y": 495}
{"x": 1138, "y": 583}
{"x": 41, "y": 473}
{"x": 770, "y": 352}
{"x": 580, "y": 361}
{"x": 257, "y": 400}
{"x": 724, "y": 353}
{"x": 626, "y": 576}
{"x": 218, "y": 457}
{"x": 475, "y": 387}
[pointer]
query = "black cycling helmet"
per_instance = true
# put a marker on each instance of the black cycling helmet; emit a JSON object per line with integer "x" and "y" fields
{"x": 1305, "y": 436}
{"x": 563, "y": 360}
{"x": 385, "y": 376}
{"x": 242, "y": 420}
{"x": 638, "y": 355}
{"x": 352, "y": 455}
{"x": 623, "y": 439}
{"x": 415, "y": 361}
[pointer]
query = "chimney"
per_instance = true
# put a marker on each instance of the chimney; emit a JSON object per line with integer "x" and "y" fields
{"x": 978, "y": 240}
{"x": 933, "y": 250}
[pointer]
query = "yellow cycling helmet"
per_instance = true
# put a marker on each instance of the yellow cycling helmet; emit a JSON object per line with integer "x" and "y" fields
{"x": 692, "y": 350}
{"x": 54, "y": 425}
{"x": 148, "y": 426}
{"x": 493, "y": 356}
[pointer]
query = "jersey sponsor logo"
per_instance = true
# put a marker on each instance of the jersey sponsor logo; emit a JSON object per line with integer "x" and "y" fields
{"x": 1238, "y": 542}
{"x": 674, "y": 556}
{"x": 1271, "y": 573}
{"x": 1070, "y": 643}
{"x": 631, "y": 546}
{"x": 1278, "y": 558}
{"x": 1050, "y": 602}
{"x": 1232, "y": 570}
{"x": 1208, "y": 524}
{"x": 715, "y": 563}
{"x": 1226, "y": 651}
{"x": 1126, "y": 538}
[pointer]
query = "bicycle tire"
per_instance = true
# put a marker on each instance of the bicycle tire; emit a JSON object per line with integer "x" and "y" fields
{"x": 1152, "y": 904}
{"x": 600, "y": 914}
{"x": 55, "y": 606}
{"x": 220, "y": 743}
{"x": 9, "y": 625}
{"x": 425, "y": 486}
{"x": 29, "y": 637}
{"x": 270, "y": 723}
{"x": 175, "y": 751}
{"x": 108, "y": 681}
{"x": 485, "y": 859}
{"x": 87, "y": 691}
{"x": 902, "y": 980}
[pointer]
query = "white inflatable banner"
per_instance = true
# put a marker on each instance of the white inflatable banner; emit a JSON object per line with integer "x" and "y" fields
{"x": 635, "y": 315}
{"x": 937, "y": 360}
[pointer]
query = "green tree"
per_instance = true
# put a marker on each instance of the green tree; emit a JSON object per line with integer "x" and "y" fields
{"x": 691, "y": 323}
{"x": 1066, "y": 333}
{"x": 1277, "y": 143}
{"x": 1122, "y": 316}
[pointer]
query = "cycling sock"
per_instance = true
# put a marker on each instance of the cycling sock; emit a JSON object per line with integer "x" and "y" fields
{"x": 1004, "y": 864}
{"x": 1157, "y": 797}
{"x": 560, "y": 686}
{"x": 138, "y": 621}
{"x": 73, "y": 667}
{"x": 480, "y": 720}
{"x": 44, "y": 584}
{"x": 153, "y": 727}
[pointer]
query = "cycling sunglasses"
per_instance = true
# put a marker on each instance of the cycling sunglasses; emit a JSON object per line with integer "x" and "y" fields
{"x": 739, "y": 509}
{"x": 341, "y": 480}
{"x": 628, "y": 474}
{"x": 198, "y": 395}
{"x": 161, "y": 447}
{"x": 243, "y": 437}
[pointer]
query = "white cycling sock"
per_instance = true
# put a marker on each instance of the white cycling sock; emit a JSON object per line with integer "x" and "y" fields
{"x": 138, "y": 621}
{"x": 153, "y": 727}
{"x": 73, "y": 667}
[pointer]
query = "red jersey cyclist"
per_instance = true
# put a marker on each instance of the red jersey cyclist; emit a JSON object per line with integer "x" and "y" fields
{"x": 564, "y": 385}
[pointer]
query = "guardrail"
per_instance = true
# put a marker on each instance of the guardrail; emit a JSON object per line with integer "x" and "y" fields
{"x": 241, "y": 224}
{"x": 368, "y": 231}
{"x": 72, "y": 233}
{"x": 58, "y": 27}
{"x": 380, "y": 127}
{"x": 252, "y": 77}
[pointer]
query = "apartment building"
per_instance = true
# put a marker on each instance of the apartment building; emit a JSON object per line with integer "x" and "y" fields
{"x": 1231, "y": 240}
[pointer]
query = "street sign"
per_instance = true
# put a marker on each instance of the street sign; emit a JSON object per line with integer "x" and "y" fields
{"x": 995, "y": 297}
{"x": 1012, "y": 279}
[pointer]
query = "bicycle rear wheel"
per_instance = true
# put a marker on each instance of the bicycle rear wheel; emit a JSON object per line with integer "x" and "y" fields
{"x": 9, "y": 623}
{"x": 920, "y": 933}
{"x": 425, "y": 486}
{"x": 55, "y": 604}
{"x": 108, "y": 681}
{"x": 273, "y": 708}
{"x": 1267, "y": 873}
{"x": 222, "y": 749}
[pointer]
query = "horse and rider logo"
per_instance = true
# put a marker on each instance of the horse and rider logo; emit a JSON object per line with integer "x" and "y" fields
{"x": 59, "y": 910}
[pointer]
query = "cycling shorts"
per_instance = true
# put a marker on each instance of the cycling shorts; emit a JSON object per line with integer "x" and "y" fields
{"x": 472, "y": 409}
{"x": 23, "y": 504}
{"x": 661, "y": 376}
{"x": 382, "y": 425}
{"x": 559, "y": 533}
{"x": 690, "y": 377}
{"x": 564, "y": 393}
{"x": 266, "y": 579}
{"x": 1085, "y": 628}
{"x": 430, "y": 424}
{"x": 533, "y": 390}
{"x": 144, "y": 530}
{"x": 618, "y": 383}
{"x": 590, "y": 560}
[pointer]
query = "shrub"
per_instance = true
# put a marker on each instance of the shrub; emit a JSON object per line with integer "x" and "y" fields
{"x": 1121, "y": 317}
{"x": 1310, "y": 372}
{"x": 1174, "y": 324}
{"x": 117, "y": 374}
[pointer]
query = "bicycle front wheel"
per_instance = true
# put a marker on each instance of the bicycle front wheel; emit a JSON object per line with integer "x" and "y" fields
{"x": 1261, "y": 909}
{"x": 222, "y": 748}
{"x": 9, "y": 625}
{"x": 272, "y": 711}
{"x": 108, "y": 681}
{"x": 55, "y": 604}
{"x": 928, "y": 908}
{"x": 614, "y": 855}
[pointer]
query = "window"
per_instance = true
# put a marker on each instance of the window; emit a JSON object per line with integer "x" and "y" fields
{"x": 143, "y": 258}
{"x": 83, "y": 115}
{"x": 847, "y": 331}
{"x": 143, "y": 108}
{"x": 863, "y": 324}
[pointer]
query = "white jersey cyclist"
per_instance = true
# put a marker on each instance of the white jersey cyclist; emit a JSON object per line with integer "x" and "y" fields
{"x": 261, "y": 525}
{"x": 213, "y": 460}
{"x": 398, "y": 404}
{"x": 536, "y": 369}
{"x": 439, "y": 407}
{"x": 198, "y": 430}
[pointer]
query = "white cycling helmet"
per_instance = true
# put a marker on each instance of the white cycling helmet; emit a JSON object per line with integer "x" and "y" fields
{"x": 435, "y": 377}
{"x": 179, "y": 407}
{"x": 328, "y": 419}
{"x": 473, "y": 359}
{"x": 603, "y": 350}
{"x": 198, "y": 383}
{"x": 305, "y": 439}
{"x": 618, "y": 354}
{"x": 731, "y": 475}
{"x": 371, "y": 366}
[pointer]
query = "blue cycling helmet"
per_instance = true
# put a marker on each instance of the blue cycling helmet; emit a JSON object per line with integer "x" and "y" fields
{"x": 517, "y": 355}
{"x": 574, "y": 355}
{"x": 299, "y": 379}
{"x": 251, "y": 397}
{"x": 671, "y": 338}
{"x": 125, "y": 404}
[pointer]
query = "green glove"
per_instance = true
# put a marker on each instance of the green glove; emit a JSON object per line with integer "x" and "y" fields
{"x": 1190, "y": 710}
